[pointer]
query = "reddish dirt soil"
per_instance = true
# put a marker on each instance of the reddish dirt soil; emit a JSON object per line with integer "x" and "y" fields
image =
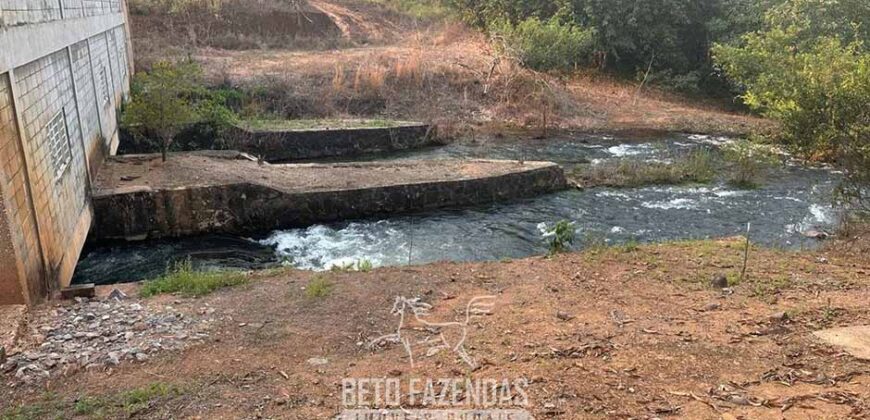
{"x": 609, "y": 333}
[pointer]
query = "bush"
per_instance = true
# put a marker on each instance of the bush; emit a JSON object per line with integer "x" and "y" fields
{"x": 362, "y": 265}
{"x": 697, "y": 166}
{"x": 423, "y": 10}
{"x": 809, "y": 68}
{"x": 318, "y": 287}
{"x": 545, "y": 45}
{"x": 182, "y": 278}
{"x": 169, "y": 99}
{"x": 560, "y": 236}
{"x": 750, "y": 161}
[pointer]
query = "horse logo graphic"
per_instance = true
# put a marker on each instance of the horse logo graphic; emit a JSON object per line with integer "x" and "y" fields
{"x": 449, "y": 335}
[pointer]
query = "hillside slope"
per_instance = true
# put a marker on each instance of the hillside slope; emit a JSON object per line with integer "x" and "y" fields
{"x": 361, "y": 58}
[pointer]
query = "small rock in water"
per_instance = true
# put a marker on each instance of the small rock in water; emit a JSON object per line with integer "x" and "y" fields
{"x": 816, "y": 234}
{"x": 719, "y": 281}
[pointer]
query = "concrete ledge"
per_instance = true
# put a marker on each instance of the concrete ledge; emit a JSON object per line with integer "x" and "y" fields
{"x": 284, "y": 145}
{"x": 241, "y": 197}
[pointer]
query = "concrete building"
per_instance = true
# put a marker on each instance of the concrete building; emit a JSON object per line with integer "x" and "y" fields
{"x": 65, "y": 67}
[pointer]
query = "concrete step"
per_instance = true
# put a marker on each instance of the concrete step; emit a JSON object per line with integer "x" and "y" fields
{"x": 141, "y": 197}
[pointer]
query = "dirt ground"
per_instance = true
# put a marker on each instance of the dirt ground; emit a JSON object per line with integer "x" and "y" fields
{"x": 608, "y": 333}
{"x": 389, "y": 65}
{"x": 200, "y": 169}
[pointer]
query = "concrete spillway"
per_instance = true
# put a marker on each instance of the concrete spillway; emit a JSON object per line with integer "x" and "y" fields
{"x": 140, "y": 197}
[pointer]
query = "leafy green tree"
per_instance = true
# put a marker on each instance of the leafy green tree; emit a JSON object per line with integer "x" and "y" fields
{"x": 168, "y": 99}
{"x": 545, "y": 45}
{"x": 670, "y": 38}
{"x": 809, "y": 68}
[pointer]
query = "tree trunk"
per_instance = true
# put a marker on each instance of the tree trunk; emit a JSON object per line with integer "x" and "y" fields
{"x": 164, "y": 151}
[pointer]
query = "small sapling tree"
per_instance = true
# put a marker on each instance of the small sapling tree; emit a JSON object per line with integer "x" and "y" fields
{"x": 559, "y": 237}
{"x": 168, "y": 99}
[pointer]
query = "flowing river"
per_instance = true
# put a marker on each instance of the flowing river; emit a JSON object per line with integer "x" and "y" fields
{"x": 791, "y": 200}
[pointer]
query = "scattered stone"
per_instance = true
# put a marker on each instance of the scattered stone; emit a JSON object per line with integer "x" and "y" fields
{"x": 317, "y": 361}
{"x": 95, "y": 334}
{"x": 779, "y": 317}
{"x": 719, "y": 281}
{"x": 854, "y": 340}
{"x": 117, "y": 295}
{"x": 564, "y": 316}
{"x": 712, "y": 306}
{"x": 2, "y": 355}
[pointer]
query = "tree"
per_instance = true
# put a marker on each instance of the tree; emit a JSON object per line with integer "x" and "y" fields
{"x": 809, "y": 68}
{"x": 166, "y": 100}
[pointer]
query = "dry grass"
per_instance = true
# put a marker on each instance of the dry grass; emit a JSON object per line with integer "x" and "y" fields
{"x": 442, "y": 72}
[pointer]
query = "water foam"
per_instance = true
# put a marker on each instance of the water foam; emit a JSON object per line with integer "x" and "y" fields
{"x": 322, "y": 247}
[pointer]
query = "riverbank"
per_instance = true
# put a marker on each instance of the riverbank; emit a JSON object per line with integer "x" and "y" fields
{"x": 611, "y": 332}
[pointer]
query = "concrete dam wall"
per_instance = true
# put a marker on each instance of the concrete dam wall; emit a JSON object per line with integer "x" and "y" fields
{"x": 64, "y": 70}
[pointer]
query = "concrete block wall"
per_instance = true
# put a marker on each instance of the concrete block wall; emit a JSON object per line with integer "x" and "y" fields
{"x": 63, "y": 73}
{"x": 20, "y": 253}
{"x": 45, "y": 92}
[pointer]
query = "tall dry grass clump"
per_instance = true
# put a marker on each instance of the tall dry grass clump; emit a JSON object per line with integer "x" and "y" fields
{"x": 409, "y": 70}
{"x": 369, "y": 78}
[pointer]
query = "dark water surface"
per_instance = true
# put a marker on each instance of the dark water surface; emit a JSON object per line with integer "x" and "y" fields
{"x": 792, "y": 200}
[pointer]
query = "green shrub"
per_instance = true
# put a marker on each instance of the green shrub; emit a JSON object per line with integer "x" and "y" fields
{"x": 750, "y": 162}
{"x": 169, "y": 98}
{"x": 809, "y": 69}
{"x": 182, "y": 278}
{"x": 545, "y": 45}
{"x": 318, "y": 287}
{"x": 423, "y": 10}
{"x": 560, "y": 236}
{"x": 364, "y": 265}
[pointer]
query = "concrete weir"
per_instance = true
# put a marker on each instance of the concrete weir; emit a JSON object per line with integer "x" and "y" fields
{"x": 139, "y": 197}
{"x": 276, "y": 144}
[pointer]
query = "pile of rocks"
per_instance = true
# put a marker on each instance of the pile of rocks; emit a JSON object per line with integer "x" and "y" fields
{"x": 95, "y": 334}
